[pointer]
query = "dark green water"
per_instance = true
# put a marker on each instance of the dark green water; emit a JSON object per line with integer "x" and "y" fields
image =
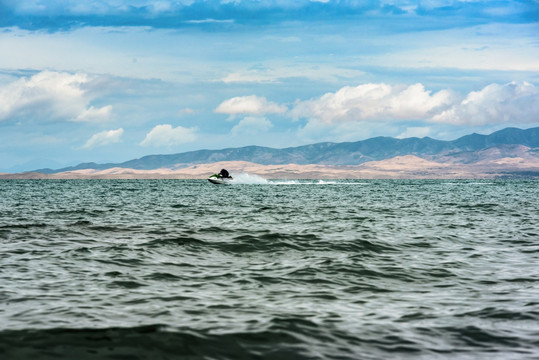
{"x": 163, "y": 269}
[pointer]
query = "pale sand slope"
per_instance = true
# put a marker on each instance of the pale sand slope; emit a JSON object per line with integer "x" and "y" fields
{"x": 401, "y": 167}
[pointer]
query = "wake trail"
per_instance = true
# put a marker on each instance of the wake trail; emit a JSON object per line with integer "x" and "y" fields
{"x": 250, "y": 179}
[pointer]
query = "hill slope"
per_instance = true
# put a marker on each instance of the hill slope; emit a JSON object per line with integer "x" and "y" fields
{"x": 466, "y": 149}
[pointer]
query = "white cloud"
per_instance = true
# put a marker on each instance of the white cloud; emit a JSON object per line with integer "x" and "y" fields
{"x": 512, "y": 102}
{"x": 50, "y": 95}
{"x": 252, "y": 105}
{"x": 251, "y": 125}
{"x": 166, "y": 135}
{"x": 353, "y": 111}
{"x": 371, "y": 102}
{"x": 103, "y": 138}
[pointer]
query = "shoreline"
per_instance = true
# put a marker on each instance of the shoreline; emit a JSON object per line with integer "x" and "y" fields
{"x": 403, "y": 167}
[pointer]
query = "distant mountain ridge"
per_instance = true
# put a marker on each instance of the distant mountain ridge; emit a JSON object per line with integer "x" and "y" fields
{"x": 327, "y": 153}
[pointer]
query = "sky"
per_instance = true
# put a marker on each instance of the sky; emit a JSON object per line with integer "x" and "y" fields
{"x": 109, "y": 81}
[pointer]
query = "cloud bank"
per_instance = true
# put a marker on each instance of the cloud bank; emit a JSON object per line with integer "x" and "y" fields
{"x": 61, "y": 14}
{"x": 494, "y": 104}
{"x": 371, "y": 102}
{"x": 50, "y": 95}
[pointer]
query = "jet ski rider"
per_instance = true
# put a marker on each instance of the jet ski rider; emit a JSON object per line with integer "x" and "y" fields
{"x": 224, "y": 174}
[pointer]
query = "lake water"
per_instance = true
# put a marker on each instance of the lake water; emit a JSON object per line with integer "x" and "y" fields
{"x": 159, "y": 269}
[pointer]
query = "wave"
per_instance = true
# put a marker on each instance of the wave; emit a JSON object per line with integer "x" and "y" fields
{"x": 279, "y": 338}
{"x": 155, "y": 342}
{"x": 317, "y": 269}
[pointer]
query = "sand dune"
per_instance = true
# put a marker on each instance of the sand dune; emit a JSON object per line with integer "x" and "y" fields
{"x": 400, "y": 167}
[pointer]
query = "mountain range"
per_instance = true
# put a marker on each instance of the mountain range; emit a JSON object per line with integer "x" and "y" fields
{"x": 469, "y": 149}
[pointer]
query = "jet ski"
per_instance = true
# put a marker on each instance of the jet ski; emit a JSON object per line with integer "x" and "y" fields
{"x": 218, "y": 179}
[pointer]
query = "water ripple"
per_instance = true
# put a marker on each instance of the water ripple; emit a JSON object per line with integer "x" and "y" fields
{"x": 168, "y": 268}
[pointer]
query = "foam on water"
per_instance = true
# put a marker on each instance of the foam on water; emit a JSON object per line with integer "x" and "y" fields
{"x": 287, "y": 182}
{"x": 248, "y": 179}
{"x": 251, "y": 179}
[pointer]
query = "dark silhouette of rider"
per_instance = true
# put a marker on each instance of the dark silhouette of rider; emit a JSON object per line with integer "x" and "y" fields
{"x": 224, "y": 174}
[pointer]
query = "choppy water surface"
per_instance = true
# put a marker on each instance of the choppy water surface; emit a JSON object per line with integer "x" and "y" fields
{"x": 315, "y": 270}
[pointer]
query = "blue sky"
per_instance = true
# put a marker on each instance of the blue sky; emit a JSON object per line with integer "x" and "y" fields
{"x": 109, "y": 81}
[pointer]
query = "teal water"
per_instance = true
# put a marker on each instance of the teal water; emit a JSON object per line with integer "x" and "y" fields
{"x": 147, "y": 269}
